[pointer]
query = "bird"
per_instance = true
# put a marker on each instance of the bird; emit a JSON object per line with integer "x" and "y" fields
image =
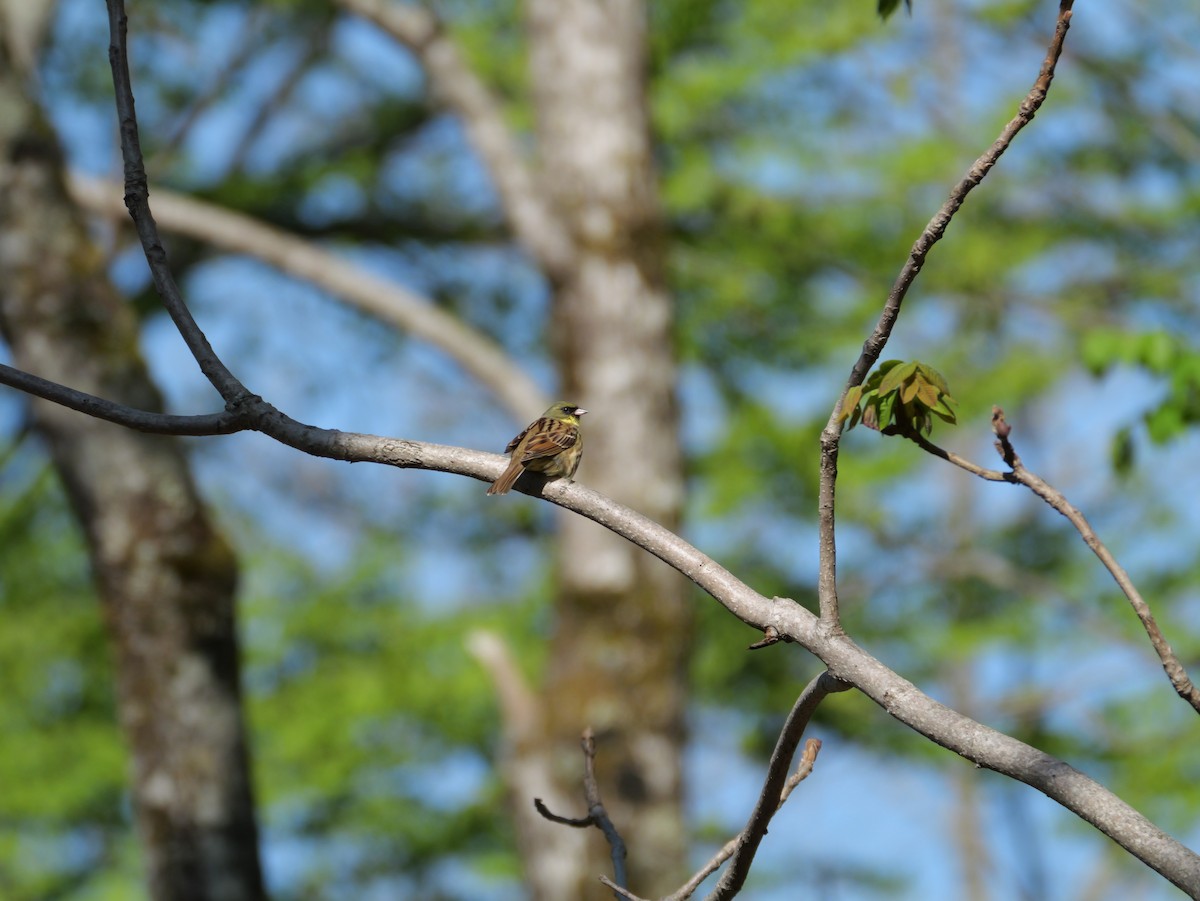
{"x": 550, "y": 445}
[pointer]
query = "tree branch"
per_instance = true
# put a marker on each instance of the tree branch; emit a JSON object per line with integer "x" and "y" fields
{"x": 812, "y": 747}
{"x": 1171, "y": 664}
{"x": 1019, "y": 475}
{"x": 989, "y": 475}
{"x": 476, "y": 353}
{"x": 596, "y": 816}
{"x": 873, "y": 346}
{"x": 137, "y": 200}
{"x": 772, "y": 794}
{"x": 140, "y": 420}
{"x": 460, "y": 90}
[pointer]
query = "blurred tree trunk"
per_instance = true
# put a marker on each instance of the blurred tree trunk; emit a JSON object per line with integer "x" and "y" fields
{"x": 623, "y": 627}
{"x": 165, "y": 576}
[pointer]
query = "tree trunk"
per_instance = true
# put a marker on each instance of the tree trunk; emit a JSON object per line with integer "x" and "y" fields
{"x": 165, "y": 576}
{"x": 623, "y": 626}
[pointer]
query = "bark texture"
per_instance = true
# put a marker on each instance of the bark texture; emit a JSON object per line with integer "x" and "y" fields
{"x": 165, "y": 576}
{"x": 621, "y": 637}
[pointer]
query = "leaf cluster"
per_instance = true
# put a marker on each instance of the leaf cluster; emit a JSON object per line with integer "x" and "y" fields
{"x": 900, "y": 398}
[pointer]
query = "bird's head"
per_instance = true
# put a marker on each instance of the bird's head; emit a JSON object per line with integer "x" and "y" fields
{"x": 565, "y": 411}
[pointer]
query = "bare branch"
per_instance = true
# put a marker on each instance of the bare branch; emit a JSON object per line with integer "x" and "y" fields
{"x": 249, "y": 44}
{"x": 314, "y": 45}
{"x": 1171, "y": 664}
{"x": 460, "y": 90}
{"x": 137, "y": 200}
{"x": 936, "y": 229}
{"x": 526, "y": 765}
{"x": 873, "y": 346}
{"x": 1019, "y": 475}
{"x": 621, "y": 892}
{"x": 990, "y": 475}
{"x": 478, "y": 354}
{"x": 596, "y": 811}
{"x": 812, "y": 747}
{"x": 772, "y": 794}
{"x": 597, "y": 815}
{"x": 574, "y": 822}
{"x": 140, "y": 420}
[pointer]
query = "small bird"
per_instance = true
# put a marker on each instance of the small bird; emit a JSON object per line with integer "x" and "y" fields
{"x": 550, "y": 445}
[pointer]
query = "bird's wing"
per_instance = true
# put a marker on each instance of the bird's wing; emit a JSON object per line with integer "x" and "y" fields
{"x": 549, "y": 437}
{"x": 512, "y": 445}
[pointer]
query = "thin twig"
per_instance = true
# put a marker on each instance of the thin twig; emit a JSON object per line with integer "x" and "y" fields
{"x": 1171, "y": 664}
{"x": 249, "y": 47}
{"x": 991, "y": 475}
{"x": 575, "y": 822}
{"x": 596, "y": 816}
{"x": 621, "y": 892}
{"x": 873, "y": 346}
{"x": 770, "y": 797}
{"x": 804, "y": 768}
{"x": 316, "y": 43}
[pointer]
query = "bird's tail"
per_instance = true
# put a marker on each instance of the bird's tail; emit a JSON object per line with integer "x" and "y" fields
{"x": 507, "y": 478}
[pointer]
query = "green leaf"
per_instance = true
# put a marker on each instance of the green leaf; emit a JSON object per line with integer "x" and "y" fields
{"x": 1164, "y": 423}
{"x": 927, "y": 394}
{"x": 896, "y": 376}
{"x": 1159, "y": 352}
{"x": 886, "y": 409}
{"x": 886, "y": 7}
{"x": 1123, "y": 451}
{"x": 850, "y": 401}
{"x": 932, "y": 375}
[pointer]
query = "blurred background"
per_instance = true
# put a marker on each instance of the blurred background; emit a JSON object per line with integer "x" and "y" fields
{"x": 791, "y": 153}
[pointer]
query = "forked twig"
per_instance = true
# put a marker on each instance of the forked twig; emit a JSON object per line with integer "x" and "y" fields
{"x": 775, "y": 784}
{"x": 804, "y": 768}
{"x": 1020, "y": 475}
{"x": 596, "y": 816}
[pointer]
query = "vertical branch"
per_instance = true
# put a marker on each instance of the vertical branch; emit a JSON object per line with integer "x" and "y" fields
{"x": 873, "y": 346}
{"x": 137, "y": 200}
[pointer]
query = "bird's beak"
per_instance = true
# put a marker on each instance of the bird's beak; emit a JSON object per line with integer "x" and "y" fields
{"x": 579, "y": 411}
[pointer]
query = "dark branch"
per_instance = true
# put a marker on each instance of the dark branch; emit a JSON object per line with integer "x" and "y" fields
{"x": 140, "y": 420}
{"x": 137, "y": 200}
{"x": 597, "y": 816}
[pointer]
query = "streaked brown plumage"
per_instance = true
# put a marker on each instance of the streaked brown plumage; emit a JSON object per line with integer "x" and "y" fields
{"x": 550, "y": 446}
